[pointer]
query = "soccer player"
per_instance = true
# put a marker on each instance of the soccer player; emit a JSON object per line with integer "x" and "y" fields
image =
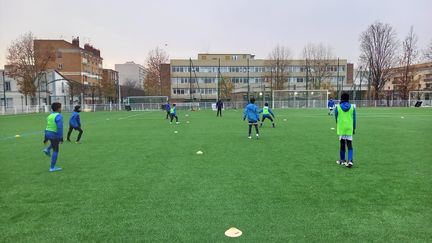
{"x": 267, "y": 113}
{"x": 75, "y": 123}
{"x": 167, "y": 108}
{"x": 173, "y": 114}
{"x": 251, "y": 112}
{"x": 346, "y": 124}
{"x": 330, "y": 106}
{"x": 219, "y": 106}
{"x": 54, "y": 134}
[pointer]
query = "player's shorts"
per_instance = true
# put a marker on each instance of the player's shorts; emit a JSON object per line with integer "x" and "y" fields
{"x": 253, "y": 122}
{"x": 346, "y": 137}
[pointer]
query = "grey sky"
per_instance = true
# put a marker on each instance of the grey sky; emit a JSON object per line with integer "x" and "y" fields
{"x": 126, "y": 30}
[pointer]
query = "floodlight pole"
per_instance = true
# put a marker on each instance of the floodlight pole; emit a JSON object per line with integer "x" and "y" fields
{"x": 119, "y": 94}
{"x": 307, "y": 82}
{"x": 190, "y": 79}
{"x": 337, "y": 78}
{"x": 218, "y": 81}
{"x": 248, "y": 80}
{"x": 4, "y": 89}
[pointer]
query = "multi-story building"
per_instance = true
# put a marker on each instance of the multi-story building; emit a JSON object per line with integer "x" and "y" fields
{"x": 131, "y": 72}
{"x": 110, "y": 79}
{"x": 79, "y": 65}
{"x": 9, "y": 91}
{"x": 420, "y": 74}
{"x": 53, "y": 88}
{"x": 201, "y": 79}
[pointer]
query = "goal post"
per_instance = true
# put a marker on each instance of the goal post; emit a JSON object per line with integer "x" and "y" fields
{"x": 300, "y": 98}
{"x": 425, "y": 97}
{"x": 140, "y": 103}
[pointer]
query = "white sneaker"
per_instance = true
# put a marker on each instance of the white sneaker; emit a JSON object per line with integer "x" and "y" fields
{"x": 257, "y": 136}
{"x": 177, "y": 123}
{"x": 250, "y": 137}
{"x": 55, "y": 169}
{"x": 340, "y": 162}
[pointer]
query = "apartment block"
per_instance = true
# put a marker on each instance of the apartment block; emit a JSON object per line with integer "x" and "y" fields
{"x": 201, "y": 78}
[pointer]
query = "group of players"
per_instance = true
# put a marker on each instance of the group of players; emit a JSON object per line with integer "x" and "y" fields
{"x": 345, "y": 114}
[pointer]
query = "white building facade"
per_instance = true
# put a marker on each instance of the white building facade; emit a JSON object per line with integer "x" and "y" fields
{"x": 131, "y": 71}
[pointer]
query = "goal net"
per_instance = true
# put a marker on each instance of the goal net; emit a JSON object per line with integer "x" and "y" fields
{"x": 421, "y": 98}
{"x": 299, "y": 98}
{"x": 139, "y": 103}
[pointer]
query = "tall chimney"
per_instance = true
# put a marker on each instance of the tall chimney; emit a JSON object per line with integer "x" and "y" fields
{"x": 75, "y": 42}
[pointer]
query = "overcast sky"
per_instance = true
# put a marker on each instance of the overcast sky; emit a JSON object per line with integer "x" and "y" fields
{"x": 126, "y": 30}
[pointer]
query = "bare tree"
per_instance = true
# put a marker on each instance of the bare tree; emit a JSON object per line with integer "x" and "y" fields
{"x": 378, "y": 50}
{"x": 153, "y": 78}
{"x": 108, "y": 90}
{"x": 75, "y": 88}
{"x": 405, "y": 81}
{"x": 428, "y": 52}
{"x": 278, "y": 65}
{"x": 26, "y": 66}
{"x": 226, "y": 89}
{"x": 318, "y": 63}
{"x": 129, "y": 87}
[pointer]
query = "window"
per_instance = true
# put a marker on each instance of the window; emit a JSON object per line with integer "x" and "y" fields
{"x": 234, "y": 58}
{"x": 59, "y": 54}
{"x": 208, "y": 80}
{"x": 203, "y": 57}
{"x": 7, "y": 86}
{"x": 60, "y": 66}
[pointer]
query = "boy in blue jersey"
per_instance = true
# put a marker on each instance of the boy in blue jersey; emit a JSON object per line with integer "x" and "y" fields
{"x": 330, "y": 106}
{"x": 267, "y": 113}
{"x": 251, "y": 112}
{"x": 345, "y": 114}
{"x": 54, "y": 134}
{"x": 167, "y": 108}
{"x": 173, "y": 114}
{"x": 75, "y": 123}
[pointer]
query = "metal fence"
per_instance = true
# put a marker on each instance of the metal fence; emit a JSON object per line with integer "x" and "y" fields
{"x": 297, "y": 104}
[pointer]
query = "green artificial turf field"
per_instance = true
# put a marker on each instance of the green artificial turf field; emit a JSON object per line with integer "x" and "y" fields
{"x": 134, "y": 179}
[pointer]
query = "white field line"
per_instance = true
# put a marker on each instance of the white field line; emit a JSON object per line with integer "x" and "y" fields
{"x": 126, "y": 117}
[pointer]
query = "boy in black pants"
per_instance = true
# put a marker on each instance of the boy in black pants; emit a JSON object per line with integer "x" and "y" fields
{"x": 75, "y": 123}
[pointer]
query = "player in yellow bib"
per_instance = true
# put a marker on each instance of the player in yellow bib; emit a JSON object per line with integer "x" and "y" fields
{"x": 54, "y": 134}
{"x": 267, "y": 113}
{"x": 345, "y": 115}
{"x": 173, "y": 114}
